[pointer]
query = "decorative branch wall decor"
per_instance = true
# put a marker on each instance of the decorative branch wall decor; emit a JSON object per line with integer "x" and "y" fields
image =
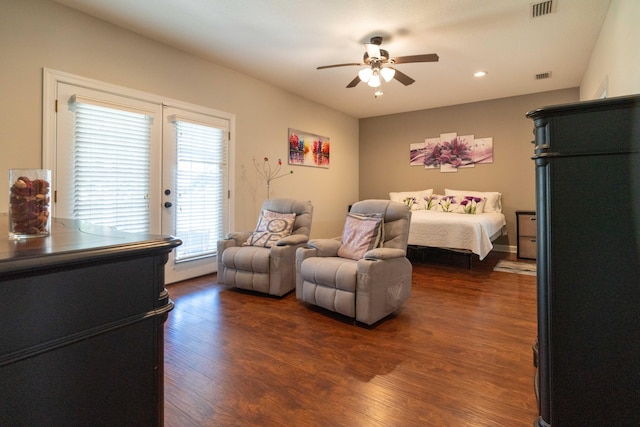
{"x": 269, "y": 174}
{"x": 450, "y": 152}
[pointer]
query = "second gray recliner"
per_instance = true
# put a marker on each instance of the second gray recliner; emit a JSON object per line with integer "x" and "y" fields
{"x": 367, "y": 289}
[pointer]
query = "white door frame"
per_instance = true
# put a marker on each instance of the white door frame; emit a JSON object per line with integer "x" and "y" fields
{"x": 51, "y": 78}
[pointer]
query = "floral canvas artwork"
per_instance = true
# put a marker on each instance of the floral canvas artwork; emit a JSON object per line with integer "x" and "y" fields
{"x": 451, "y": 152}
{"x": 454, "y": 152}
{"x": 432, "y": 148}
{"x": 483, "y": 150}
{"x": 307, "y": 149}
{"x": 416, "y": 154}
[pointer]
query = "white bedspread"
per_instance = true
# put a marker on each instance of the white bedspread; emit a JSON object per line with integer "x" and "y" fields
{"x": 456, "y": 231}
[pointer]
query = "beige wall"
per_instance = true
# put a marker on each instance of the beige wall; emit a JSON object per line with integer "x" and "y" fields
{"x": 615, "y": 61}
{"x": 385, "y": 141}
{"x": 40, "y": 33}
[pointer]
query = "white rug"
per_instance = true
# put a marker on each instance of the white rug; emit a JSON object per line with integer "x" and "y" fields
{"x": 515, "y": 267}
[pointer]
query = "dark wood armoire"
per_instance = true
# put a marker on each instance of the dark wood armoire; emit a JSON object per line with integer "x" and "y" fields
{"x": 587, "y": 159}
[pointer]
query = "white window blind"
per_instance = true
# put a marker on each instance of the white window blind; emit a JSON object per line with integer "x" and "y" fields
{"x": 200, "y": 188}
{"x": 111, "y": 165}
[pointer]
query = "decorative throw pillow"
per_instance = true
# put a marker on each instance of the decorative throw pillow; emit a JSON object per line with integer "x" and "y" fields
{"x": 472, "y": 204}
{"x": 469, "y": 204}
{"x": 493, "y": 201}
{"x": 414, "y": 199}
{"x": 362, "y": 232}
{"x": 440, "y": 203}
{"x": 272, "y": 226}
{"x": 432, "y": 203}
{"x": 456, "y": 204}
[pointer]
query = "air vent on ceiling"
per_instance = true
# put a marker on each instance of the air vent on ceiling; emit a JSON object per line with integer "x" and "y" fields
{"x": 543, "y": 8}
{"x": 542, "y": 76}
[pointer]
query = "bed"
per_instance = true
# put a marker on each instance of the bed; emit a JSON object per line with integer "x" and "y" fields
{"x": 459, "y": 220}
{"x": 473, "y": 233}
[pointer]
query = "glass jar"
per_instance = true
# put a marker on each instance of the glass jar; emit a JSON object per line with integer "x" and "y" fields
{"x": 29, "y": 203}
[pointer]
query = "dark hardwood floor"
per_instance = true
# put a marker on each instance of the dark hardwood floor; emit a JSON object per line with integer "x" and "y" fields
{"x": 458, "y": 354}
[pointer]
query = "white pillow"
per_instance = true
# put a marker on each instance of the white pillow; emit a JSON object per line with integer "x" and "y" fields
{"x": 493, "y": 201}
{"x": 420, "y": 197}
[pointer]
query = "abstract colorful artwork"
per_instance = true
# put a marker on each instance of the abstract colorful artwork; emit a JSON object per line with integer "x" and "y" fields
{"x": 451, "y": 152}
{"x": 307, "y": 149}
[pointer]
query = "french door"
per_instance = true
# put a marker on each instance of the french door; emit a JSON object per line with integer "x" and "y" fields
{"x": 195, "y": 189}
{"x": 141, "y": 166}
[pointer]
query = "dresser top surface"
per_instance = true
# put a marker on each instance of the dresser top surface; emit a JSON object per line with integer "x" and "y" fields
{"x": 74, "y": 241}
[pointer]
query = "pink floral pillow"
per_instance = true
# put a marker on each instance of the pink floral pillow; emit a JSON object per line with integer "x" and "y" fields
{"x": 455, "y": 204}
{"x": 472, "y": 204}
{"x": 362, "y": 232}
{"x": 493, "y": 200}
{"x": 414, "y": 199}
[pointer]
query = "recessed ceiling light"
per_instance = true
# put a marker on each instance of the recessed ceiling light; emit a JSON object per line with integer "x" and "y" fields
{"x": 480, "y": 74}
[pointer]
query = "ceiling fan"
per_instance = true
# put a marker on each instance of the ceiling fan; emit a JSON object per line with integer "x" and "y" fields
{"x": 379, "y": 65}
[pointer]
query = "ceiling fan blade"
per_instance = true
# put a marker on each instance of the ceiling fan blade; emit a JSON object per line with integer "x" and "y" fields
{"x": 339, "y": 65}
{"x": 354, "y": 82}
{"x": 402, "y": 78}
{"x": 428, "y": 57}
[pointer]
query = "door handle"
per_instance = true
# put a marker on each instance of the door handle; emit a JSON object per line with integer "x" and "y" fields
{"x": 167, "y": 204}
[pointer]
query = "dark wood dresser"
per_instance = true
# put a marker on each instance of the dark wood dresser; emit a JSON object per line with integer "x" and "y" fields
{"x": 587, "y": 158}
{"x": 81, "y": 329}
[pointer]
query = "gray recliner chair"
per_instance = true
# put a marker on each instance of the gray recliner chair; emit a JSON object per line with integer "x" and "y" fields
{"x": 368, "y": 287}
{"x": 262, "y": 260}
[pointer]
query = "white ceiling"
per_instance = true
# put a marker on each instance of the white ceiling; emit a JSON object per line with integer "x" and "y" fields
{"x": 283, "y": 41}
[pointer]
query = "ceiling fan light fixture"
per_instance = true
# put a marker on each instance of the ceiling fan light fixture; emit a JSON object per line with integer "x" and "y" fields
{"x": 380, "y": 65}
{"x": 387, "y": 74}
{"x": 365, "y": 74}
{"x": 374, "y": 81}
